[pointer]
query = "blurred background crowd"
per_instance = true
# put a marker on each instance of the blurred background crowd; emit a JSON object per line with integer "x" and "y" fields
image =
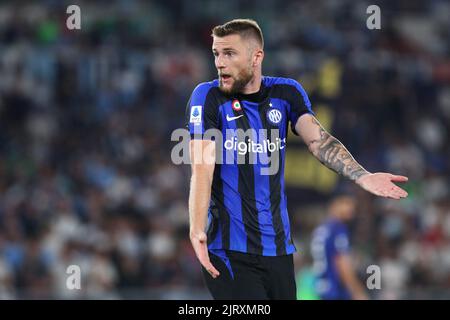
{"x": 86, "y": 116}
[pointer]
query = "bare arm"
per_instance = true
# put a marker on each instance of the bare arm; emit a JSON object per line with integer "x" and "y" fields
{"x": 333, "y": 154}
{"x": 327, "y": 149}
{"x": 348, "y": 277}
{"x": 202, "y": 155}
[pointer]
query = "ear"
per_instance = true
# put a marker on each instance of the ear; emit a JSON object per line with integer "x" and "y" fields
{"x": 258, "y": 57}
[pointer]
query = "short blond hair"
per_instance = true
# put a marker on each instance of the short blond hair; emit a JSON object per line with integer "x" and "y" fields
{"x": 246, "y": 28}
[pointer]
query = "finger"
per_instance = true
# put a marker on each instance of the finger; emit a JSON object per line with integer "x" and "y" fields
{"x": 206, "y": 263}
{"x": 394, "y": 196}
{"x": 384, "y": 195}
{"x": 201, "y": 237}
{"x": 213, "y": 271}
{"x": 398, "y": 178}
{"x": 403, "y": 194}
{"x": 390, "y": 192}
{"x": 398, "y": 194}
{"x": 210, "y": 268}
{"x": 201, "y": 250}
{"x": 392, "y": 188}
{"x": 399, "y": 191}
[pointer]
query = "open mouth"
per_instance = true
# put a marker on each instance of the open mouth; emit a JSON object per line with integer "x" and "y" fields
{"x": 225, "y": 77}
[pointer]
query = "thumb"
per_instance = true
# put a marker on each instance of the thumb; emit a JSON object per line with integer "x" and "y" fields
{"x": 201, "y": 237}
{"x": 399, "y": 178}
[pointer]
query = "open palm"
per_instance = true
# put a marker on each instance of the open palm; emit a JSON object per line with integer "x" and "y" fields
{"x": 382, "y": 184}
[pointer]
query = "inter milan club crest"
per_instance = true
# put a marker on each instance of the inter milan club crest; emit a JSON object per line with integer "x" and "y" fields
{"x": 236, "y": 105}
{"x": 274, "y": 116}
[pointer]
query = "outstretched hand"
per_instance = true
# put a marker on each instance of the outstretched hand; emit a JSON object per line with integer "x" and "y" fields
{"x": 200, "y": 246}
{"x": 382, "y": 184}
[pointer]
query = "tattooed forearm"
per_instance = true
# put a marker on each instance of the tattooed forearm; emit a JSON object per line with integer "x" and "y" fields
{"x": 332, "y": 153}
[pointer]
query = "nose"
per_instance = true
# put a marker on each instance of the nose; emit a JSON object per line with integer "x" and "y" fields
{"x": 220, "y": 64}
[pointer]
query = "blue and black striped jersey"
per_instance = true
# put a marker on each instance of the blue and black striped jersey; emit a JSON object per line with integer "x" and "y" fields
{"x": 248, "y": 208}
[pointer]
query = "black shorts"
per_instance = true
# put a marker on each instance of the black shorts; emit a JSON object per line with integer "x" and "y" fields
{"x": 245, "y": 276}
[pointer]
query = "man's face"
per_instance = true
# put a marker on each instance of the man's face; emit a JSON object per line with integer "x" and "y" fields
{"x": 347, "y": 208}
{"x": 233, "y": 60}
{"x": 344, "y": 207}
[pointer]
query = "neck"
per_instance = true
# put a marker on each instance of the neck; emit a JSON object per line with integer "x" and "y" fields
{"x": 254, "y": 85}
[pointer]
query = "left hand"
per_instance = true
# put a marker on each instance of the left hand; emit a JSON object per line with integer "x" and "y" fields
{"x": 381, "y": 184}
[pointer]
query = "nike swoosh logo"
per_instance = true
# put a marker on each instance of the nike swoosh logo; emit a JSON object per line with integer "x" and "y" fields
{"x": 233, "y": 118}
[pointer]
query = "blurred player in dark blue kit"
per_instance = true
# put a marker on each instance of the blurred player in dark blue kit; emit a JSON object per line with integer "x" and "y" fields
{"x": 239, "y": 223}
{"x": 330, "y": 248}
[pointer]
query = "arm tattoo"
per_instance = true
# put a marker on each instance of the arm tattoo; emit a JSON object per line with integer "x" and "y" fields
{"x": 332, "y": 153}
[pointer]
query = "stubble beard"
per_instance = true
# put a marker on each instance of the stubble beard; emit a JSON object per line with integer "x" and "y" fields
{"x": 239, "y": 82}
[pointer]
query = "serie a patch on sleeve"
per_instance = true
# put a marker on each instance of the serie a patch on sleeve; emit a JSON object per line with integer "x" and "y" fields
{"x": 196, "y": 115}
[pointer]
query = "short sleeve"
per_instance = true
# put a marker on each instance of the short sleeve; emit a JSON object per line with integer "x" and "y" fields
{"x": 298, "y": 100}
{"x": 201, "y": 111}
{"x": 341, "y": 242}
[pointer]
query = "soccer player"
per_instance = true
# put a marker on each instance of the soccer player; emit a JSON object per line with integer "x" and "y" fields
{"x": 239, "y": 224}
{"x": 330, "y": 249}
